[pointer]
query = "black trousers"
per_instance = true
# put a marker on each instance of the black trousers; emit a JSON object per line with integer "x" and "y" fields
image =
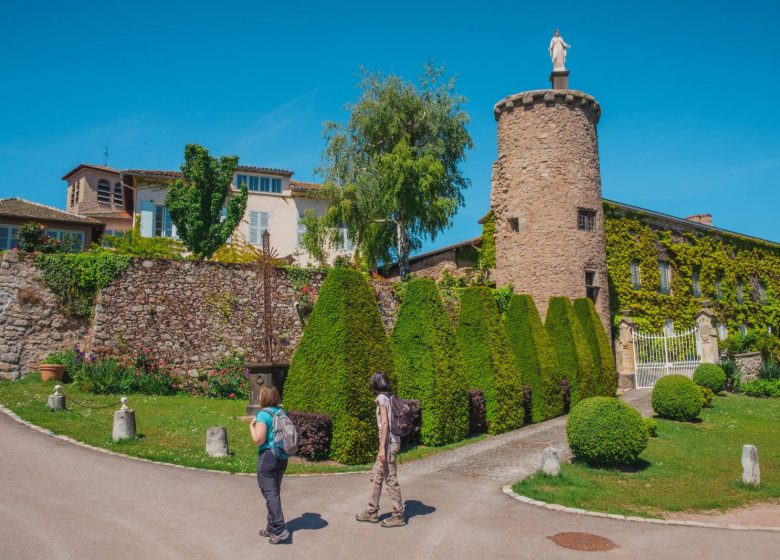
{"x": 270, "y": 471}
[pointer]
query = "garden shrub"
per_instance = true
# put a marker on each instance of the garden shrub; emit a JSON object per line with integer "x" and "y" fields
{"x": 575, "y": 359}
{"x": 651, "y": 426}
{"x": 761, "y": 388}
{"x": 343, "y": 344}
{"x": 489, "y": 361}
{"x": 534, "y": 358}
{"x": 227, "y": 379}
{"x": 710, "y": 376}
{"x": 676, "y": 397}
{"x": 477, "y": 412}
{"x": 314, "y": 433}
{"x": 123, "y": 375}
{"x": 73, "y": 360}
{"x": 605, "y": 431}
{"x": 732, "y": 372}
{"x": 770, "y": 371}
{"x": 599, "y": 344}
{"x": 706, "y": 396}
{"x": 428, "y": 364}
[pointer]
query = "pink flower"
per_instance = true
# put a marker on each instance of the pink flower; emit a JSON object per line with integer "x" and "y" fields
{"x": 232, "y": 396}
{"x": 306, "y": 289}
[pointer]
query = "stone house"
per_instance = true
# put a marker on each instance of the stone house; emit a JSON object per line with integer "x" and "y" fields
{"x": 79, "y": 231}
{"x": 95, "y": 191}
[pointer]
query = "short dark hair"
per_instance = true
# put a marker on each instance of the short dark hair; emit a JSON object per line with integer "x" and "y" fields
{"x": 379, "y": 382}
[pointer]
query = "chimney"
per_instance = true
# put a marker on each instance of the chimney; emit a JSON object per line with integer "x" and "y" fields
{"x": 705, "y": 219}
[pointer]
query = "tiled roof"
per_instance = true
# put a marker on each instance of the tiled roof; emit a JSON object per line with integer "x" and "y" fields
{"x": 109, "y": 214}
{"x": 20, "y": 208}
{"x": 89, "y": 166}
{"x": 304, "y": 185}
{"x": 178, "y": 174}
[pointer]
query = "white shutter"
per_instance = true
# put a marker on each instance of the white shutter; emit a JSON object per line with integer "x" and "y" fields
{"x": 264, "y": 222}
{"x": 147, "y": 218}
{"x": 254, "y": 234}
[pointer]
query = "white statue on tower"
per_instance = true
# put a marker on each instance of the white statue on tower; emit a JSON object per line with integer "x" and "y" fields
{"x": 558, "y": 49}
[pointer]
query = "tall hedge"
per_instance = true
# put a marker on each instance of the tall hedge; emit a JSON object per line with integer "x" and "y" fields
{"x": 343, "y": 343}
{"x": 600, "y": 346}
{"x": 428, "y": 364}
{"x": 534, "y": 357}
{"x": 575, "y": 359}
{"x": 490, "y": 365}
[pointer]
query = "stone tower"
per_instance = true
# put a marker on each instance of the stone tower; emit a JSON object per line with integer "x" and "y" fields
{"x": 546, "y": 197}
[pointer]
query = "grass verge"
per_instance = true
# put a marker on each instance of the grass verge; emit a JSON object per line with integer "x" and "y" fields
{"x": 170, "y": 429}
{"x": 688, "y": 467}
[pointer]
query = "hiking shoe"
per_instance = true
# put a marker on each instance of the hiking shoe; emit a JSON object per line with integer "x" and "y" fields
{"x": 264, "y": 533}
{"x": 367, "y": 517}
{"x": 276, "y": 539}
{"x": 393, "y": 521}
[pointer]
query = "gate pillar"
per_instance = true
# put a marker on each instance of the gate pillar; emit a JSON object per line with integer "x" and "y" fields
{"x": 708, "y": 333}
{"x": 625, "y": 355}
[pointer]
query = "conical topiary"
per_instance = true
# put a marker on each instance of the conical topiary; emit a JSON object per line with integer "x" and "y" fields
{"x": 600, "y": 345}
{"x": 428, "y": 364}
{"x": 534, "y": 357}
{"x": 343, "y": 344}
{"x": 575, "y": 360}
{"x": 489, "y": 361}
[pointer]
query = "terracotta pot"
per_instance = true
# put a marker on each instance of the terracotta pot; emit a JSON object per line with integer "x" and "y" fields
{"x": 52, "y": 371}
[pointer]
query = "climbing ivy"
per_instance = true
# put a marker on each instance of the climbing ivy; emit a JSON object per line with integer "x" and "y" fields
{"x": 717, "y": 257}
{"x": 76, "y": 278}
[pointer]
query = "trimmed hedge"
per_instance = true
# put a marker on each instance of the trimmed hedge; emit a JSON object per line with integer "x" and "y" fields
{"x": 710, "y": 376}
{"x": 575, "y": 359}
{"x": 429, "y": 366}
{"x": 676, "y": 397}
{"x": 651, "y": 425}
{"x": 534, "y": 357}
{"x": 489, "y": 362}
{"x": 605, "y": 431}
{"x": 343, "y": 344}
{"x": 600, "y": 346}
{"x": 706, "y": 396}
{"x": 314, "y": 433}
{"x": 477, "y": 412}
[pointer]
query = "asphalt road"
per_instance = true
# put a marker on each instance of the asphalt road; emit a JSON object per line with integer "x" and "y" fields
{"x": 58, "y": 500}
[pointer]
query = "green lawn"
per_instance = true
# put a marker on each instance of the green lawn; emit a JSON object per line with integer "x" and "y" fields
{"x": 170, "y": 429}
{"x": 688, "y": 467}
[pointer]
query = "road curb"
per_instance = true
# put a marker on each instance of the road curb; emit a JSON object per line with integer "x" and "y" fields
{"x": 577, "y": 511}
{"x": 19, "y": 420}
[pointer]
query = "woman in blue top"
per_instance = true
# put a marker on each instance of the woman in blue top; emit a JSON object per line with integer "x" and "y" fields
{"x": 270, "y": 468}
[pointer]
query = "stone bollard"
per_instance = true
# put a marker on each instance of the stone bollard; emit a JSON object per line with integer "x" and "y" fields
{"x": 216, "y": 442}
{"x": 551, "y": 466}
{"x": 57, "y": 400}
{"x": 751, "y": 474}
{"x": 124, "y": 422}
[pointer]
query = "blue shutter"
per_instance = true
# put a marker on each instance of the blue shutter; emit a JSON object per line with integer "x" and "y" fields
{"x": 264, "y": 220}
{"x": 147, "y": 218}
{"x": 254, "y": 234}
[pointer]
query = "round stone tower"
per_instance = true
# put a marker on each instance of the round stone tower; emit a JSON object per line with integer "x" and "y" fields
{"x": 546, "y": 197}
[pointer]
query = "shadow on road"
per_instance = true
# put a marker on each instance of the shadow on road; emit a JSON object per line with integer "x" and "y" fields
{"x": 307, "y": 521}
{"x": 413, "y": 508}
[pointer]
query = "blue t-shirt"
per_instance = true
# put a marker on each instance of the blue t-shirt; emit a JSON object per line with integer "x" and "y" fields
{"x": 267, "y": 418}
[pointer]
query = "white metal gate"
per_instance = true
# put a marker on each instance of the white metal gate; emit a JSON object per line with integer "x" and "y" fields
{"x": 656, "y": 355}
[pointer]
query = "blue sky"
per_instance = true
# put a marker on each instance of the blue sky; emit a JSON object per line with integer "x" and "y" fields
{"x": 690, "y": 123}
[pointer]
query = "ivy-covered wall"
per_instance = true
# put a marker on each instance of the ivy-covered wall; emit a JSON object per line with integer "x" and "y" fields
{"x": 716, "y": 256}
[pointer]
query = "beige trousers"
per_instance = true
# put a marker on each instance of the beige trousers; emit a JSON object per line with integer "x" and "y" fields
{"x": 386, "y": 472}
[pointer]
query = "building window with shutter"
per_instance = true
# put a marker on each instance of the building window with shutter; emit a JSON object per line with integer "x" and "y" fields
{"x": 761, "y": 292}
{"x": 669, "y": 327}
{"x": 591, "y": 285}
{"x": 301, "y": 230}
{"x": 346, "y": 242}
{"x": 586, "y": 220}
{"x": 666, "y": 277}
{"x": 258, "y": 223}
{"x": 514, "y": 224}
{"x": 118, "y": 193}
{"x": 696, "y": 283}
{"x": 743, "y": 329}
{"x": 718, "y": 287}
{"x": 163, "y": 225}
{"x": 8, "y": 237}
{"x": 740, "y": 291}
{"x": 104, "y": 191}
{"x": 723, "y": 332}
{"x": 636, "y": 278}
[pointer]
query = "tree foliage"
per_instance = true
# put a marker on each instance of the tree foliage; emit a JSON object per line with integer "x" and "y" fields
{"x": 429, "y": 366}
{"x": 600, "y": 346}
{"x": 489, "y": 362}
{"x": 534, "y": 357}
{"x": 196, "y": 202}
{"x": 391, "y": 172}
{"x": 133, "y": 244}
{"x": 343, "y": 344}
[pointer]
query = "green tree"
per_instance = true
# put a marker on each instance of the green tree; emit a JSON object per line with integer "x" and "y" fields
{"x": 489, "y": 361}
{"x": 429, "y": 366}
{"x": 343, "y": 344}
{"x": 196, "y": 202}
{"x": 535, "y": 357}
{"x": 600, "y": 345}
{"x": 391, "y": 173}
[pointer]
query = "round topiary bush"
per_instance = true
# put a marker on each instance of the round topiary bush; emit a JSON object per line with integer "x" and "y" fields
{"x": 605, "y": 431}
{"x": 710, "y": 376}
{"x": 676, "y": 397}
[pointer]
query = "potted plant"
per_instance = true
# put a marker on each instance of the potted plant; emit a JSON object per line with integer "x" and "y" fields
{"x": 52, "y": 368}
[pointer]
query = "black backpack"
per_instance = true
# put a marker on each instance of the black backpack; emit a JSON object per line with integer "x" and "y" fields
{"x": 401, "y": 417}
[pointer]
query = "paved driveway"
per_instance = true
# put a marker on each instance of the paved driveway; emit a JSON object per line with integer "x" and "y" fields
{"x": 58, "y": 500}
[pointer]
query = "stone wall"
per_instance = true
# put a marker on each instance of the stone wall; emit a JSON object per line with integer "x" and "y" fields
{"x": 31, "y": 324}
{"x": 749, "y": 365}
